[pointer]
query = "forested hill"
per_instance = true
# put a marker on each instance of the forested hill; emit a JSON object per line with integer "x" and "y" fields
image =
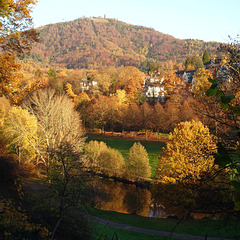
{"x": 95, "y": 42}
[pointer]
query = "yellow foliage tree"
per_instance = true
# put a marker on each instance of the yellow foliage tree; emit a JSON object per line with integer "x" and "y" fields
{"x": 77, "y": 99}
{"x": 69, "y": 91}
{"x": 4, "y": 107}
{"x": 201, "y": 83}
{"x": 188, "y": 153}
{"x": 93, "y": 150}
{"x": 103, "y": 158}
{"x": 20, "y": 131}
{"x": 138, "y": 162}
{"x": 121, "y": 96}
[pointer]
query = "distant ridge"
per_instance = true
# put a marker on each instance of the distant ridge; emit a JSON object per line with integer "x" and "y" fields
{"x": 100, "y": 42}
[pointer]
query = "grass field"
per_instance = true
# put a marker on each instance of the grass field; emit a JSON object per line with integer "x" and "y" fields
{"x": 102, "y": 232}
{"x": 123, "y": 145}
{"x": 204, "y": 227}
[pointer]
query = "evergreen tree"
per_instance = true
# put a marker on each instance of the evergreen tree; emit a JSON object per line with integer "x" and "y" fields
{"x": 52, "y": 72}
{"x": 187, "y": 62}
{"x": 206, "y": 58}
{"x": 199, "y": 63}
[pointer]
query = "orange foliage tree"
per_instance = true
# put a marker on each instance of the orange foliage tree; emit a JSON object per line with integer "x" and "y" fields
{"x": 160, "y": 118}
{"x": 147, "y": 117}
{"x": 100, "y": 109}
{"x": 16, "y": 38}
{"x": 131, "y": 80}
{"x": 172, "y": 84}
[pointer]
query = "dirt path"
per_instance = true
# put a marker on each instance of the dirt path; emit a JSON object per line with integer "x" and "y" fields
{"x": 151, "y": 231}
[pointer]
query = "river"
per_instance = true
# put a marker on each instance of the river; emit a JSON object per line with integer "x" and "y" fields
{"x": 166, "y": 201}
{"x": 126, "y": 198}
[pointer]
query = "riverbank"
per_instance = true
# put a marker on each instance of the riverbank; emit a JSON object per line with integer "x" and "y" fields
{"x": 102, "y": 226}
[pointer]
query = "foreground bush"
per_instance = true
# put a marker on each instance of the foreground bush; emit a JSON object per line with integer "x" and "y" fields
{"x": 14, "y": 223}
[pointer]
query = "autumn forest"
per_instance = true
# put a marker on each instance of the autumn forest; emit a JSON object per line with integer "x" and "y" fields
{"x": 67, "y": 89}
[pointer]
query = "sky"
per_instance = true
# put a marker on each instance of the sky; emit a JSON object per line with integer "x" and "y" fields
{"x": 208, "y": 20}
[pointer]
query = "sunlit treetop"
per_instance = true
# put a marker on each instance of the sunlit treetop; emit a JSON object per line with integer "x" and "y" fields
{"x": 16, "y": 38}
{"x": 188, "y": 153}
{"x": 16, "y": 28}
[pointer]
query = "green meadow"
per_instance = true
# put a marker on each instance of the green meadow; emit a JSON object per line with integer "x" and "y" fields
{"x": 205, "y": 227}
{"x": 123, "y": 145}
{"x": 103, "y": 232}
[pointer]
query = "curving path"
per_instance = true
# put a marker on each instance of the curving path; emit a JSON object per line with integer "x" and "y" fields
{"x": 36, "y": 187}
{"x": 151, "y": 231}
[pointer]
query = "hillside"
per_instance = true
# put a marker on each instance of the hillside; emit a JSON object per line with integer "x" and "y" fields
{"x": 95, "y": 42}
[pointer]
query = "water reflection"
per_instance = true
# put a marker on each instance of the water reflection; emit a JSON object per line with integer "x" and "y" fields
{"x": 127, "y": 198}
{"x": 156, "y": 210}
{"x": 168, "y": 200}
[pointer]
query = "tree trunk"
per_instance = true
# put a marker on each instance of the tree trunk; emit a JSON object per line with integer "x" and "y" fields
{"x": 57, "y": 224}
{"x": 19, "y": 156}
{"x": 112, "y": 129}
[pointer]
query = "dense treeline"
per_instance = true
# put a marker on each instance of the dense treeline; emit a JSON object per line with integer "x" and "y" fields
{"x": 92, "y": 43}
{"x": 116, "y": 102}
{"x": 108, "y": 113}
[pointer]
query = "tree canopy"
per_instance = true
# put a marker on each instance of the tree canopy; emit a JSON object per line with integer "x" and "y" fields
{"x": 20, "y": 131}
{"x": 131, "y": 80}
{"x": 138, "y": 162}
{"x": 115, "y": 44}
{"x": 17, "y": 33}
{"x": 103, "y": 158}
{"x": 16, "y": 38}
{"x": 57, "y": 122}
{"x": 188, "y": 153}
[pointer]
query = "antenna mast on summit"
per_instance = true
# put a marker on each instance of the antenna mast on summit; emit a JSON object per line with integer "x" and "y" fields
{"x": 105, "y": 15}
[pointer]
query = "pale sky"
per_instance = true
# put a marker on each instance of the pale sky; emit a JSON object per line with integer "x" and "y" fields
{"x": 208, "y": 20}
